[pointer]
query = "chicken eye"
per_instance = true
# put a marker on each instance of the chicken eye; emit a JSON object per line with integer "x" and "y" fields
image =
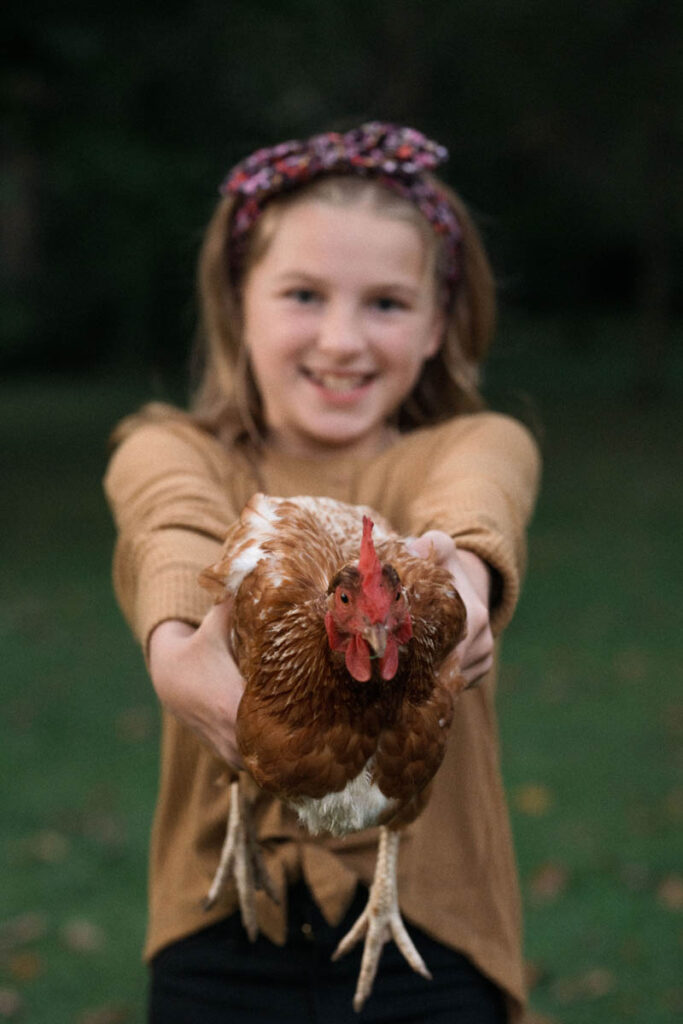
{"x": 397, "y": 595}
{"x": 344, "y": 598}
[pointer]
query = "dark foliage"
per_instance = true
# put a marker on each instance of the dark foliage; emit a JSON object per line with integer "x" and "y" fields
{"x": 564, "y": 127}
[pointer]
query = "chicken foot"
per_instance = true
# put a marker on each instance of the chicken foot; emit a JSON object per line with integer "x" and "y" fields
{"x": 380, "y": 921}
{"x": 241, "y": 858}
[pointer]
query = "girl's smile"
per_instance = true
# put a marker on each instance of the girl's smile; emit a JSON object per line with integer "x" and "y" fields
{"x": 339, "y": 317}
{"x": 341, "y": 386}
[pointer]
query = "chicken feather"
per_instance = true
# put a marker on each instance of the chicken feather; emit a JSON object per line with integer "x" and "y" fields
{"x": 346, "y": 728}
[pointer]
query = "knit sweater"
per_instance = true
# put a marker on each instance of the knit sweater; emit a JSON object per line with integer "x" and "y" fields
{"x": 174, "y": 490}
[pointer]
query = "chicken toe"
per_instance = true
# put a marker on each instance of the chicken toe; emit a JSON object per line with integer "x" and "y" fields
{"x": 241, "y": 858}
{"x": 380, "y": 921}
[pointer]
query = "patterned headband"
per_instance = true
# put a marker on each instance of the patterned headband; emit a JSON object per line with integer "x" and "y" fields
{"x": 392, "y": 155}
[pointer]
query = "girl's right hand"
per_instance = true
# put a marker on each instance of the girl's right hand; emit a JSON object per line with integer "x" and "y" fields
{"x": 196, "y": 678}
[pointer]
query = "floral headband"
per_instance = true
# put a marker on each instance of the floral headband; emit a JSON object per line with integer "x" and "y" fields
{"x": 393, "y": 155}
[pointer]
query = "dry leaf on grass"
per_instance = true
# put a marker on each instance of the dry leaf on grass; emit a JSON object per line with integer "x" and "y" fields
{"x": 534, "y": 974}
{"x": 11, "y": 1003}
{"x": 25, "y": 966}
{"x": 106, "y": 1015}
{"x": 548, "y": 882}
{"x": 82, "y": 936}
{"x": 593, "y": 984}
{"x": 533, "y": 799}
{"x": 48, "y": 846}
{"x": 670, "y": 893}
{"x": 135, "y": 724}
{"x": 20, "y": 930}
{"x": 673, "y": 804}
{"x": 105, "y": 828}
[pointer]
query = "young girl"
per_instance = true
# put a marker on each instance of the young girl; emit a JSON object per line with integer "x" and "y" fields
{"x": 346, "y": 305}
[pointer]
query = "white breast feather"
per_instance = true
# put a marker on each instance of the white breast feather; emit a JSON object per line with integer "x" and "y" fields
{"x": 359, "y": 805}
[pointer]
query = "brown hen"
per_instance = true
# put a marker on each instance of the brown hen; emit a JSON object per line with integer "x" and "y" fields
{"x": 345, "y": 714}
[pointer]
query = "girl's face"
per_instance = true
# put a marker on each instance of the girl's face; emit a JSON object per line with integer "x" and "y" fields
{"x": 339, "y": 316}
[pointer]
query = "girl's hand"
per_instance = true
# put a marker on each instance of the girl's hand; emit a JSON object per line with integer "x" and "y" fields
{"x": 473, "y": 581}
{"x": 196, "y": 678}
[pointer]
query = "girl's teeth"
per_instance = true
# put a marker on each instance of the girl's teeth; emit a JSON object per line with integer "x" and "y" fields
{"x": 338, "y": 383}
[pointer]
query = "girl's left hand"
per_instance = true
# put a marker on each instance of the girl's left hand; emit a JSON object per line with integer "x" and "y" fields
{"x": 473, "y": 581}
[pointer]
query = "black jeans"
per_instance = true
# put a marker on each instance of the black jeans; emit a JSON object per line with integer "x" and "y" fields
{"x": 217, "y": 976}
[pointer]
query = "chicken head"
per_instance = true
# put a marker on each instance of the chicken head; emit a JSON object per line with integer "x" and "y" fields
{"x": 368, "y": 616}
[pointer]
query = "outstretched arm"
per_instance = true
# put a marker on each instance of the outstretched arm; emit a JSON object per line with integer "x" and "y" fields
{"x": 480, "y": 489}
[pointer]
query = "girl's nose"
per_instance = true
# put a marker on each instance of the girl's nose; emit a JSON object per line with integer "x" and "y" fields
{"x": 340, "y": 332}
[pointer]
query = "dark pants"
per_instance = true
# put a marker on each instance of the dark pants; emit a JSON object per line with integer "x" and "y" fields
{"x": 218, "y": 977}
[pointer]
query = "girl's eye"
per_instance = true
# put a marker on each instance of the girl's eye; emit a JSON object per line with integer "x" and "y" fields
{"x": 386, "y": 304}
{"x": 344, "y": 598}
{"x": 303, "y": 295}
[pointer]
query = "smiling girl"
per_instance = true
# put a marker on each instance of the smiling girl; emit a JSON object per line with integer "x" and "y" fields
{"x": 346, "y": 306}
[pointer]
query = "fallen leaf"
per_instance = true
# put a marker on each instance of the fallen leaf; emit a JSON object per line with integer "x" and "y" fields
{"x": 105, "y": 828}
{"x": 48, "y": 846}
{"x": 632, "y": 665}
{"x": 534, "y": 973}
{"x": 105, "y": 1015}
{"x": 673, "y": 719}
{"x": 25, "y": 966}
{"x": 11, "y": 1003}
{"x": 593, "y": 984}
{"x": 548, "y": 882}
{"x": 531, "y": 1017}
{"x": 598, "y": 982}
{"x": 135, "y": 724}
{"x": 670, "y": 893}
{"x": 18, "y": 931}
{"x": 533, "y": 799}
{"x": 673, "y": 804}
{"x": 672, "y": 1000}
{"x": 82, "y": 936}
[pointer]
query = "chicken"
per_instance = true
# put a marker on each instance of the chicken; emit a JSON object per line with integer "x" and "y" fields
{"x": 344, "y": 715}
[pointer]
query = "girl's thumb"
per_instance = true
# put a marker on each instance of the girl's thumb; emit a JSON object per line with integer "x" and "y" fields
{"x": 219, "y": 618}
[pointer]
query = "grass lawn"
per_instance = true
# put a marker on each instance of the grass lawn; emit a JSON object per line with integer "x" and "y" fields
{"x": 591, "y": 716}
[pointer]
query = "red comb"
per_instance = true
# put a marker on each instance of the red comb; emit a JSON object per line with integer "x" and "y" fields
{"x": 371, "y": 573}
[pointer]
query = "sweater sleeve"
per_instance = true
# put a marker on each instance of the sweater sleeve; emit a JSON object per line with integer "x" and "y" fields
{"x": 172, "y": 510}
{"x": 480, "y": 488}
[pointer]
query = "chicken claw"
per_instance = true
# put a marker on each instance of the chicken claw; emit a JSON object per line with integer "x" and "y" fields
{"x": 380, "y": 921}
{"x": 241, "y": 858}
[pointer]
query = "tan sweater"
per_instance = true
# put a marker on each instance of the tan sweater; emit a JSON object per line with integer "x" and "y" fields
{"x": 174, "y": 490}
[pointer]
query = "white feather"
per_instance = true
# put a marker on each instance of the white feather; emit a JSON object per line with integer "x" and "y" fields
{"x": 359, "y": 805}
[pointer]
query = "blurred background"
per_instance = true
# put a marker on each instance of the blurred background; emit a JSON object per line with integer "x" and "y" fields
{"x": 565, "y": 128}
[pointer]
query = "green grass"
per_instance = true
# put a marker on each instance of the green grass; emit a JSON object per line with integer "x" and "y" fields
{"x": 589, "y": 704}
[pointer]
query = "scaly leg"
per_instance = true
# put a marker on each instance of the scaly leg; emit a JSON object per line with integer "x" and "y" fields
{"x": 241, "y": 858}
{"x": 380, "y": 921}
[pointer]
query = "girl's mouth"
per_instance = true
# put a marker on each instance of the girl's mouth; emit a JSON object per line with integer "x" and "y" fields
{"x": 339, "y": 383}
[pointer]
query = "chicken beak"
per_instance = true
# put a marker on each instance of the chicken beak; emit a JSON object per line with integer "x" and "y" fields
{"x": 376, "y": 638}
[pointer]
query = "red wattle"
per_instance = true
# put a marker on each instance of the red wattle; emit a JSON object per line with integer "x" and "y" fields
{"x": 358, "y": 659}
{"x": 389, "y": 663}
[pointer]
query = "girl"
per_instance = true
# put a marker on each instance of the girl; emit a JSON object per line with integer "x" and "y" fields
{"x": 346, "y": 304}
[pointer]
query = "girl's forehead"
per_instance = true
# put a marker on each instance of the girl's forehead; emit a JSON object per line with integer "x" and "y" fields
{"x": 316, "y": 236}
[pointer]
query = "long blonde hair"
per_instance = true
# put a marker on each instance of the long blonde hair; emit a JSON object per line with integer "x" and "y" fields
{"x": 226, "y": 400}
